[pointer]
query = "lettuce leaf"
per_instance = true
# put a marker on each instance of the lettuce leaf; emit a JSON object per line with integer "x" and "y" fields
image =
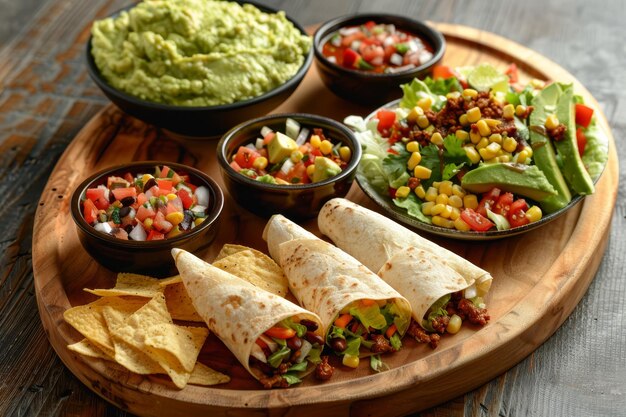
{"x": 443, "y": 86}
{"x": 369, "y": 316}
{"x": 291, "y": 379}
{"x": 395, "y": 341}
{"x": 413, "y": 207}
{"x": 377, "y": 364}
{"x": 299, "y": 328}
{"x": 353, "y": 346}
{"x": 416, "y": 90}
{"x": 596, "y": 151}
{"x": 277, "y": 357}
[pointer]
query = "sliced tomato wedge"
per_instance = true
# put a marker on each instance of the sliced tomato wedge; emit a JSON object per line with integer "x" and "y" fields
{"x": 583, "y": 115}
{"x": 350, "y": 58}
{"x": 121, "y": 193}
{"x": 280, "y": 332}
{"x": 476, "y": 221}
{"x": 503, "y": 205}
{"x": 517, "y": 213}
{"x": 90, "y": 211}
{"x": 386, "y": 119}
{"x": 154, "y": 235}
{"x": 442, "y": 71}
{"x": 185, "y": 197}
{"x": 98, "y": 196}
{"x": 488, "y": 201}
{"x": 581, "y": 140}
{"x": 245, "y": 157}
{"x": 513, "y": 74}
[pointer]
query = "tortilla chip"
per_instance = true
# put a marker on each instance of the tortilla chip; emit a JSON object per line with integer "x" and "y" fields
{"x": 203, "y": 375}
{"x": 179, "y": 304}
{"x": 183, "y": 343}
{"x": 256, "y": 268}
{"x": 131, "y": 284}
{"x": 89, "y": 321}
{"x": 170, "y": 281}
{"x": 230, "y": 249}
{"x": 86, "y": 348}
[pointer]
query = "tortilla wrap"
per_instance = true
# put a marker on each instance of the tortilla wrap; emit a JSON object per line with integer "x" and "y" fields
{"x": 420, "y": 270}
{"x": 235, "y": 310}
{"x": 323, "y": 278}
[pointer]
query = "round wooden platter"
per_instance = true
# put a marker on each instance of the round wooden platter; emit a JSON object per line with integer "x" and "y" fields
{"x": 539, "y": 277}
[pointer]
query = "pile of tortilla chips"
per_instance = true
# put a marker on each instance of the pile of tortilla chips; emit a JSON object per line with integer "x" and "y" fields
{"x": 132, "y": 323}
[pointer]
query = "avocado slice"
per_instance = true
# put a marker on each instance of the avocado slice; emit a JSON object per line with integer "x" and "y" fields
{"x": 325, "y": 168}
{"x": 544, "y": 103}
{"x": 521, "y": 179}
{"x": 280, "y": 147}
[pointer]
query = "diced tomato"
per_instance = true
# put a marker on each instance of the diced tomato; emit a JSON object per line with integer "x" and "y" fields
{"x": 234, "y": 165}
{"x": 350, "y": 58}
{"x": 128, "y": 178}
{"x": 513, "y": 74}
{"x": 370, "y": 25}
{"x": 488, "y": 201}
{"x": 154, "y": 235}
{"x": 160, "y": 224}
{"x": 245, "y": 157}
{"x": 185, "y": 197}
{"x": 90, "y": 211}
{"x": 296, "y": 175}
{"x": 517, "y": 213}
{"x": 581, "y": 140}
{"x": 145, "y": 212}
{"x": 476, "y": 221}
{"x": 442, "y": 71}
{"x": 175, "y": 206}
{"x": 389, "y": 50}
{"x": 386, "y": 119}
{"x": 280, "y": 332}
{"x": 141, "y": 198}
{"x": 121, "y": 193}
{"x": 503, "y": 205}
{"x": 98, "y": 197}
{"x": 583, "y": 115}
{"x": 268, "y": 138}
{"x": 347, "y": 41}
{"x": 165, "y": 171}
{"x": 165, "y": 185}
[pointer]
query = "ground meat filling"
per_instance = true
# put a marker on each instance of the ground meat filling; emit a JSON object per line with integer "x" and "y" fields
{"x": 324, "y": 370}
{"x": 422, "y": 336}
{"x": 276, "y": 381}
{"x": 381, "y": 345}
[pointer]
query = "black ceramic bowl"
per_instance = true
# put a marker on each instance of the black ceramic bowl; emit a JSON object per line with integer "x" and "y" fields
{"x": 200, "y": 121}
{"x": 294, "y": 201}
{"x": 149, "y": 257}
{"x": 369, "y": 87}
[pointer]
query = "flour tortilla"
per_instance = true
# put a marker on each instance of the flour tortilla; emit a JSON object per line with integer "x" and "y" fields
{"x": 323, "y": 278}
{"x": 420, "y": 270}
{"x": 235, "y": 310}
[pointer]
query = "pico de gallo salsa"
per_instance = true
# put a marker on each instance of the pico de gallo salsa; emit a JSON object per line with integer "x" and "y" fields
{"x": 301, "y": 155}
{"x": 377, "y": 47}
{"x": 145, "y": 207}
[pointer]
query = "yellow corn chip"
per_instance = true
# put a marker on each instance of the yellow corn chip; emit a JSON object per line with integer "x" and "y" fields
{"x": 182, "y": 343}
{"x": 131, "y": 284}
{"x": 169, "y": 281}
{"x": 86, "y": 348}
{"x": 203, "y": 375}
{"x": 179, "y": 304}
{"x": 229, "y": 249}
{"x": 256, "y": 268}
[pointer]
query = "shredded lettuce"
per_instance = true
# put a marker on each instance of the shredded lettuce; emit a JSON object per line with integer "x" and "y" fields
{"x": 291, "y": 379}
{"x": 299, "y": 328}
{"x": 314, "y": 355}
{"x": 353, "y": 346}
{"x": 395, "y": 341}
{"x": 369, "y": 316}
{"x": 277, "y": 357}
{"x": 416, "y": 90}
{"x": 377, "y": 364}
{"x": 436, "y": 310}
{"x": 443, "y": 86}
{"x": 298, "y": 367}
{"x": 413, "y": 207}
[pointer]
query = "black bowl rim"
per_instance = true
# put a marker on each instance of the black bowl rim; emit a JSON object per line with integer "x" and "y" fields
{"x": 308, "y": 119}
{"x": 419, "y": 27}
{"x": 80, "y": 222}
{"x": 95, "y": 75}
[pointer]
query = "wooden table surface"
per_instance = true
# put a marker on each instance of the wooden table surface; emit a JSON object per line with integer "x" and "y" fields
{"x": 46, "y": 97}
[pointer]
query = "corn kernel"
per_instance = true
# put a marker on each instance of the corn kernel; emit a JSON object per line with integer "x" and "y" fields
{"x": 458, "y": 191}
{"x": 455, "y": 213}
{"x": 431, "y": 194}
{"x": 414, "y": 114}
{"x": 445, "y": 187}
{"x": 425, "y": 102}
{"x": 436, "y": 184}
{"x": 436, "y": 138}
{"x": 533, "y": 214}
{"x": 473, "y": 115}
{"x": 260, "y": 162}
{"x": 522, "y": 157}
{"x": 551, "y": 122}
{"x": 442, "y": 222}
{"x": 493, "y": 122}
{"x": 504, "y": 158}
{"x": 495, "y": 137}
{"x": 148, "y": 223}
{"x": 175, "y": 217}
{"x": 509, "y": 144}
{"x": 483, "y": 128}
{"x": 315, "y": 141}
{"x": 470, "y": 201}
{"x": 469, "y": 93}
{"x": 459, "y": 224}
{"x": 490, "y": 151}
{"x": 326, "y": 147}
{"x": 350, "y": 361}
{"x": 413, "y": 146}
{"x": 455, "y": 201}
{"x": 403, "y": 192}
{"x": 414, "y": 160}
{"x": 475, "y": 137}
{"x": 462, "y": 135}
{"x": 537, "y": 84}
{"x": 310, "y": 170}
{"x": 508, "y": 112}
{"x": 472, "y": 154}
{"x": 437, "y": 209}
{"x": 427, "y": 207}
{"x": 463, "y": 120}
{"x": 446, "y": 212}
{"x": 174, "y": 232}
{"x": 171, "y": 196}
{"x": 482, "y": 144}
{"x": 520, "y": 110}
{"x": 296, "y": 156}
{"x": 345, "y": 153}
{"x": 199, "y": 221}
{"x": 441, "y": 199}
{"x": 454, "y": 325}
{"x": 420, "y": 192}
{"x": 452, "y": 95}
{"x": 423, "y": 122}
{"x": 422, "y": 172}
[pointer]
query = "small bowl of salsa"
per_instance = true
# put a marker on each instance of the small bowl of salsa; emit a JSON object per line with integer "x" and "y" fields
{"x": 365, "y": 58}
{"x": 288, "y": 163}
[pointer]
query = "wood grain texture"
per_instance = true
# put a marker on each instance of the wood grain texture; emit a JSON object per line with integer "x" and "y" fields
{"x": 45, "y": 98}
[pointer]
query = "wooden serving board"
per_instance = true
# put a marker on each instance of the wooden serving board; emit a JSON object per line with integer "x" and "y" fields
{"x": 539, "y": 277}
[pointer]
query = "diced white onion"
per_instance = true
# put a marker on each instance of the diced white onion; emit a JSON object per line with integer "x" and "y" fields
{"x": 483, "y": 285}
{"x": 377, "y": 61}
{"x": 251, "y": 147}
{"x": 265, "y": 131}
{"x": 202, "y": 196}
{"x": 425, "y": 56}
{"x": 138, "y": 233}
{"x": 335, "y": 41}
{"x": 355, "y": 45}
{"x": 103, "y": 227}
{"x": 198, "y": 209}
{"x": 286, "y": 166}
{"x": 391, "y": 29}
{"x": 269, "y": 342}
{"x": 332, "y": 59}
{"x": 348, "y": 31}
{"x": 259, "y": 143}
{"x": 106, "y": 190}
{"x": 304, "y": 134}
{"x": 304, "y": 350}
{"x": 400, "y": 69}
{"x": 388, "y": 41}
{"x": 257, "y": 352}
{"x": 396, "y": 59}
{"x": 292, "y": 128}
{"x": 470, "y": 292}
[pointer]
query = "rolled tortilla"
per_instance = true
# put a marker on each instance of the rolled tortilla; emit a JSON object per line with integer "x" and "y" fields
{"x": 235, "y": 310}
{"x": 420, "y": 270}
{"x": 322, "y": 277}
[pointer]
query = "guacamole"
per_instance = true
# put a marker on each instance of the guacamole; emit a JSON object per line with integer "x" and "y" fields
{"x": 197, "y": 52}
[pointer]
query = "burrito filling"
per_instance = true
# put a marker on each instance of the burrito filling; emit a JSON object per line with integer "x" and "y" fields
{"x": 283, "y": 353}
{"x": 374, "y": 326}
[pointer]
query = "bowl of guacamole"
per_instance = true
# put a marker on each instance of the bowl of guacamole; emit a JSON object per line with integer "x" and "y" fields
{"x": 197, "y": 67}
